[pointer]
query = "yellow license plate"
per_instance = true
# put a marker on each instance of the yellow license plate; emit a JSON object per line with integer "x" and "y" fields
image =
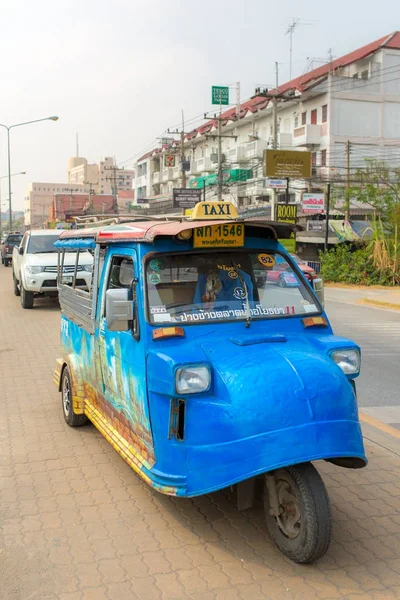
{"x": 229, "y": 235}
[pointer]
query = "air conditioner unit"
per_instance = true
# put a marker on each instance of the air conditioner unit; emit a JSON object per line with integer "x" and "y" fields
{"x": 214, "y": 157}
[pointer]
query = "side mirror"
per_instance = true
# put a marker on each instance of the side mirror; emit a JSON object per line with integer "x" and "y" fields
{"x": 318, "y": 286}
{"x": 21, "y": 250}
{"x": 119, "y": 310}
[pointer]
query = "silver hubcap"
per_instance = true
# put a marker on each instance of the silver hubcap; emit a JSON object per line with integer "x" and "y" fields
{"x": 289, "y": 520}
{"x": 66, "y": 395}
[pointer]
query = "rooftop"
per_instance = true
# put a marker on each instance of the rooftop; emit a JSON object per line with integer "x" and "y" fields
{"x": 299, "y": 84}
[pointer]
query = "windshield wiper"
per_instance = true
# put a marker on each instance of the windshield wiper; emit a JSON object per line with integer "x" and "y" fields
{"x": 243, "y": 283}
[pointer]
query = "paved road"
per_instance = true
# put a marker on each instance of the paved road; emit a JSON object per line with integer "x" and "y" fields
{"x": 77, "y": 524}
{"x": 377, "y": 331}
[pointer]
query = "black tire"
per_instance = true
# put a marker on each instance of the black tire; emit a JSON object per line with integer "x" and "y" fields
{"x": 307, "y": 539}
{"x": 70, "y": 417}
{"x": 281, "y": 282}
{"x": 16, "y": 288}
{"x": 6, "y": 262}
{"x": 27, "y": 298}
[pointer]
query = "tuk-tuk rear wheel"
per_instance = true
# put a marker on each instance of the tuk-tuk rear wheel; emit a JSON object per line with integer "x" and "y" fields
{"x": 302, "y": 531}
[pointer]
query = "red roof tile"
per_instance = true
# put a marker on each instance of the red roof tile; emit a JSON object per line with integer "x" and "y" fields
{"x": 299, "y": 83}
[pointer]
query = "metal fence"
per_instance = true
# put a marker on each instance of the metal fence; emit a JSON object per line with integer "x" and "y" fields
{"x": 315, "y": 265}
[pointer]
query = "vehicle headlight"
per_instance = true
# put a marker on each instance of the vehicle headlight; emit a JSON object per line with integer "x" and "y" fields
{"x": 87, "y": 267}
{"x": 347, "y": 360}
{"x": 191, "y": 380}
{"x": 33, "y": 270}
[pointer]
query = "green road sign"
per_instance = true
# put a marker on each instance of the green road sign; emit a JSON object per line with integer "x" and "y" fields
{"x": 220, "y": 94}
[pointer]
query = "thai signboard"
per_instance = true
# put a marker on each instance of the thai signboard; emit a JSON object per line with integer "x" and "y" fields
{"x": 313, "y": 203}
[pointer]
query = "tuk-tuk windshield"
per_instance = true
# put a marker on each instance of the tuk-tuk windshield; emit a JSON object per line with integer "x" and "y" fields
{"x": 218, "y": 286}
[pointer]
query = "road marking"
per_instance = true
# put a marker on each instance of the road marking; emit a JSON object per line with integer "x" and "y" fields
{"x": 364, "y": 418}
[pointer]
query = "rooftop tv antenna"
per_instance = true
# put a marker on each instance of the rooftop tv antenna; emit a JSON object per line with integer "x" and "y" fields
{"x": 290, "y": 30}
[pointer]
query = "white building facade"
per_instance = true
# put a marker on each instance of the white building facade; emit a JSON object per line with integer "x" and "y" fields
{"x": 352, "y": 103}
{"x": 102, "y": 176}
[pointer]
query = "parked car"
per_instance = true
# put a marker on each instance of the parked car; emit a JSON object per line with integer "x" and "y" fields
{"x": 11, "y": 240}
{"x": 35, "y": 267}
{"x": 309, "y": 272}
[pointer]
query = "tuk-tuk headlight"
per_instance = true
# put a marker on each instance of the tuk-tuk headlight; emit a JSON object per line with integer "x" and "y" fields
{"x": 347, "y": 360}
{"x": 192, "y": 380}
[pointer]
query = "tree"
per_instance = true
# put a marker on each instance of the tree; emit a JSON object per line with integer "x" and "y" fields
{"x": 379, "y": 188}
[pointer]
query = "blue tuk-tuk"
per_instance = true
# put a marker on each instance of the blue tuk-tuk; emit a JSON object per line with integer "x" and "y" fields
{"x": 206, "y": 359}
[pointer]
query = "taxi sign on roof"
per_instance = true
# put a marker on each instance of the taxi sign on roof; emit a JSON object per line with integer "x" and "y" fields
{"x": 214, "y": 210}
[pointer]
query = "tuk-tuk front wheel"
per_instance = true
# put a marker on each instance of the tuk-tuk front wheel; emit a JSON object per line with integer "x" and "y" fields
{"x": 297, "y": 512}
{"x": 70, "y": 417}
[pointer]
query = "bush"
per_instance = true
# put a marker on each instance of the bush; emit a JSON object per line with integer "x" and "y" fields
{"x": 346, "y": 264}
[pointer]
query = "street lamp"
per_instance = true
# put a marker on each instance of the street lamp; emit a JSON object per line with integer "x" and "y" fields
{"x": 4, "y": 177}
{"x": 8, "y": 127}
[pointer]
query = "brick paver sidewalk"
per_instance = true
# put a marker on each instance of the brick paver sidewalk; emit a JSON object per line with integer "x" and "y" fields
{"x": 78, "y": 524}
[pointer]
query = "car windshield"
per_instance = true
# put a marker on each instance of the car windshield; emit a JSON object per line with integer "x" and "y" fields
{"x": 217, "y": 286}
{"x": 41, "y": 243}
{"x": 297, "y": 259}
{"x": 14, "y": 239}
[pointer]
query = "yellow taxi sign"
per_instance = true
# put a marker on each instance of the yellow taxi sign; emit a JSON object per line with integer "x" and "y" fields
{"x": 214, "y": 210}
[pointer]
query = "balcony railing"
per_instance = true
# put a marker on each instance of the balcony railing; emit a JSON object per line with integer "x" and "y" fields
{"x": 256, "y": 148}
{"x": 307, "y": 135}
{"x": 167, "y": 175}
{"x": 237, "y": 154}
{"x": 205, "y": 164}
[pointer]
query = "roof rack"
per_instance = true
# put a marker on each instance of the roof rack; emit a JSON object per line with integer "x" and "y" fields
{"x": 102, "y": 219}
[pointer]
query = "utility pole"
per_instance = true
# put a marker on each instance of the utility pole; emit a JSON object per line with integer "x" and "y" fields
{"x": 71, "y": 191}
{"x": 328, "y": 199}
{"x": 91, "y": 194}
{"x": 220, "y": 137}
{"x": 220, "y": 172}
{"x": 347, "y": 203}
{"x": 275, "y": 95}
{"x": 113, "y": 178}
{"x": 183, "y": 172}
{"x": 275, "y": 120}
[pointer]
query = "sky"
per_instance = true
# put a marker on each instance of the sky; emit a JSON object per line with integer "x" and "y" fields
{"x": 120, "y": 72}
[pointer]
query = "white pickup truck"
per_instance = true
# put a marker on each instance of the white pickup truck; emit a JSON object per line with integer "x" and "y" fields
{"x": 35, "y": 269}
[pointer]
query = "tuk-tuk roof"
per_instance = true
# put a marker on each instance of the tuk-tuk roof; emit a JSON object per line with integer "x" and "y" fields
{"x": 147, "y": 231}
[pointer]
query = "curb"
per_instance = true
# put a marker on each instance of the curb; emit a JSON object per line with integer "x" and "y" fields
{"x": 379, "y": 304}
{"x": 364, "y": 418}
{"x": 380, "y": 434}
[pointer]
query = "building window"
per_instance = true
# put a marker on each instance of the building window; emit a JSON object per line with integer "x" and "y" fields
{"x": 324, "y": 113}
{"x": 314, "y": 117}
{"x": 303, "y": 118}
{"x": 323, "y": 158}
{"x": 314, "y": 159}
{"x": 296, "y": 121}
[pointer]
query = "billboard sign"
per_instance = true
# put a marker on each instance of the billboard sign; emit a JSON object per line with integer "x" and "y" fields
{"x": 286, "y": 213}
{"x": 186, "y": 197}
{"x": 220, "y": 94}
{"x": 313, "y": 203}
{"x": 294, "y": 164}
